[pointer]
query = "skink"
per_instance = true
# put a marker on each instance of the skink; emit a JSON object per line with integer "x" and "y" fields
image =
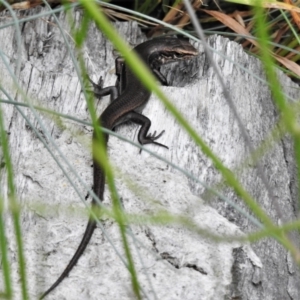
{"x": 128, "y": 100}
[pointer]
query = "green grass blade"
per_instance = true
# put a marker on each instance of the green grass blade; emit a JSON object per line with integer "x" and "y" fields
{"x": 14, "y": 208}
{"x": 5, "y": 260}
{"x": 100, "y": 155}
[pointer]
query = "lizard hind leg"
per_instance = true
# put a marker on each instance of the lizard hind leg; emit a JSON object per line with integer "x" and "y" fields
{"x": 150, "y": 139}
{"x": 143, "y": 136}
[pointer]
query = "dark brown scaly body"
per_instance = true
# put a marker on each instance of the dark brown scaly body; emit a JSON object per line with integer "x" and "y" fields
{"x": 128, "y": 106}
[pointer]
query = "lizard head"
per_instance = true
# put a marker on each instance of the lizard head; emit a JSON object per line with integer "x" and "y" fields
{"x": 175, "y": 49}
{"x": 165, "y": 50}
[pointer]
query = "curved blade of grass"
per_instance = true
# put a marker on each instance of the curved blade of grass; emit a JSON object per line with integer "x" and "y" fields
{"x": 15, "y": 211}
{"x": 13, "y": 202}
{"x": 282, "y": 238}
{"x": 164, "y": 218}
{"x": 100, "y": 155}
{"x": 149, "y": 81}
{"x": 3, "y": 246}
{"x": 288, "y": 115}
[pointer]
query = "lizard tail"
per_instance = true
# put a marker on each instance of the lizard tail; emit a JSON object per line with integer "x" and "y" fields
{"x": 84, "y": 242}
